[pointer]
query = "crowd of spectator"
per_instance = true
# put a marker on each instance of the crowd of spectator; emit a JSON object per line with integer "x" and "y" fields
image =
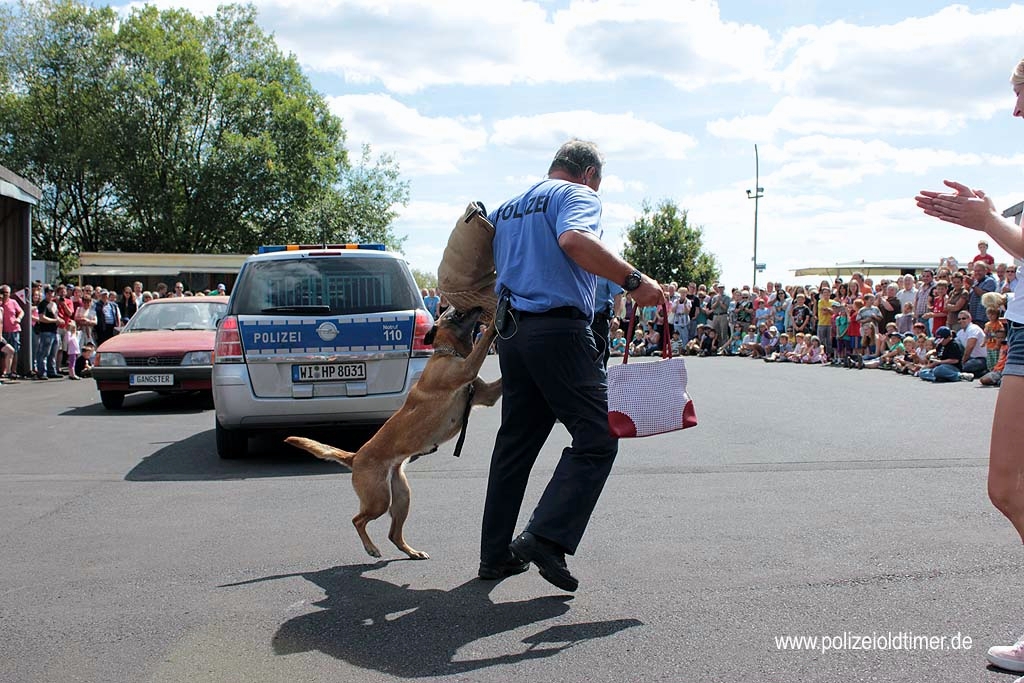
{"x": 68, "y": 323}
{"x": 944, "y": 325}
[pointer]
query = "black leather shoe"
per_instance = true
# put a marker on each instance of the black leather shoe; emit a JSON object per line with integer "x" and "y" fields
{"x": 550, "y": 560}
{"x": 510, "y": 567}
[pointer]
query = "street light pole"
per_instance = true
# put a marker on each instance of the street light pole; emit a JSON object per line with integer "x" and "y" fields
{"x": 755, "y": 195}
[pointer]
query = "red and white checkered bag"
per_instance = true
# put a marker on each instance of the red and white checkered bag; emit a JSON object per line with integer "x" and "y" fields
{"x": 645, "y": 399}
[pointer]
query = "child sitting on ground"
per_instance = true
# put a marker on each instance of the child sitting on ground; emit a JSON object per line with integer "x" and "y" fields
{"x": 83, "y": 364}
{"x": 893, "y": 349}
{"x": 734, "y": 344}
{"x": 747, "y": 345}
{"x": 709, "y": 343}
{"x": 908, "y": 363}
{"x": 782, "y": 350}
{"x": 815, "y": 353}
{"x": 638, "y": 346}
{"x": 693, "y": 346}
{"x": 619, "y": 343}
{"x": 994, "y": 377}
{"x": 799, "y": 349}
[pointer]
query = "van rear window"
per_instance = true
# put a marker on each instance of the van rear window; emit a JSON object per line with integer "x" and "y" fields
{"x": 324, "y": 286}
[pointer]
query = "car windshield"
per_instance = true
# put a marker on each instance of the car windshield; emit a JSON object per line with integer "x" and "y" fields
{"x": 325, "y": 286}
{"x": 190, "y": 315}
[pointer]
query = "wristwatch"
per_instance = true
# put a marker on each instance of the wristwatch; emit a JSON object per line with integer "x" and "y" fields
{"x": 632, "y": 281}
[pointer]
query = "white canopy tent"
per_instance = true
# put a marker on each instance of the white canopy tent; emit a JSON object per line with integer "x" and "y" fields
{"x": 871, "y": 269}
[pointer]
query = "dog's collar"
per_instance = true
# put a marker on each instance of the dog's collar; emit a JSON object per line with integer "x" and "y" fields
{"x": 447, "y": 350}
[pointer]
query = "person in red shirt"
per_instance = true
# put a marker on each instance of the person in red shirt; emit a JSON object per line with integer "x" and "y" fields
{"x": 983, "y": 255}
{"x": 65, "y": 314}
{"x": 937, "y": 312}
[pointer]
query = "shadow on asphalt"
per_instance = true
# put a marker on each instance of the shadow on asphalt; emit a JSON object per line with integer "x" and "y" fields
{"x": 196, "y": 459}
{"x": 148, "y": 403}
{"x": 412, "y": 633}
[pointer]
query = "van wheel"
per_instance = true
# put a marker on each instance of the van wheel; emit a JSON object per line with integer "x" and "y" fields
{"x": 231, "y": 443}
{"x": 112, "y": 400}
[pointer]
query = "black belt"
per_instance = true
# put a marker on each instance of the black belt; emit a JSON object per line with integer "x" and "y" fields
{"x": 568, "y": 312}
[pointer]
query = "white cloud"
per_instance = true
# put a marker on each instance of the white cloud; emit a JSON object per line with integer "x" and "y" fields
{"x": 686, "y": 43}
{"x": 822, "y": 161}
{"x": 920, "y": 76}
{"x": 409, "y": 45}
{"x": 623, "y": 136}
{"x": 803, "y": 115}
{"x": 422, "y": 144}
{"x": 613, "y": 184}
{"x": 909, "y": 63}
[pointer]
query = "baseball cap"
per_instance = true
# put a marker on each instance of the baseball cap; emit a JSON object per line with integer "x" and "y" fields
{"x": 943, "y": 332}
{"x": 221, "y": 286}
{"x": 773, "y": 329}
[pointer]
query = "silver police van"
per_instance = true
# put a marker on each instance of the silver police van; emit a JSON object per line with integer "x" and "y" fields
{"x": 316, "y": 336}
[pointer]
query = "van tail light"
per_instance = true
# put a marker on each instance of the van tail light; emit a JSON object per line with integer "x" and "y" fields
{"x": 424, "y": 323}
{"x": 227, "y": 348}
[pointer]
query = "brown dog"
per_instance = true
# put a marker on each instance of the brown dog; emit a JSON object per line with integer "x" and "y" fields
{"x": 432, "y": 414}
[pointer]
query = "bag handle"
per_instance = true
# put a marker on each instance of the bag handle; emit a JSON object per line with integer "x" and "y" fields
{"x": 629, "y": 334}
{"x": 666, "y": 345}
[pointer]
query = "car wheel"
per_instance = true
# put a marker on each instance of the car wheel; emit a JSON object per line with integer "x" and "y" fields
{"x": 231, "y": 443}
{"x": 112, "y": 400}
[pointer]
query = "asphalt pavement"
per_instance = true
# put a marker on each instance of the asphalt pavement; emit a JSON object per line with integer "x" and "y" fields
{"x": 809, "y": 502}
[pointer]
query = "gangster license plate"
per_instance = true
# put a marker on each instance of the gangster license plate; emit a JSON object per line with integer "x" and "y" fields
{"x": 329, "y": 372}
{"x": 151, "y": 380}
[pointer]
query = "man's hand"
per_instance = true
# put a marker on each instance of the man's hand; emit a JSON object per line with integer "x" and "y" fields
{"x": 649, "y": 293}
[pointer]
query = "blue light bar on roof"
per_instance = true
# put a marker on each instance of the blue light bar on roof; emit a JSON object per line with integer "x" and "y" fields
{"x": 271, "y": 248}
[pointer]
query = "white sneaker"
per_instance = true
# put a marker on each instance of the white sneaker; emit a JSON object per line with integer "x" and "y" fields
{"x": 966, "y": 377}
{"x": 1009, "y": 657}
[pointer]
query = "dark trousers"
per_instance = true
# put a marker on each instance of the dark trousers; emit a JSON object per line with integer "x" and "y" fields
{"x": 976, "y": 366}
{"x": 600, "y": 329}
{"x": 550, "y": 369}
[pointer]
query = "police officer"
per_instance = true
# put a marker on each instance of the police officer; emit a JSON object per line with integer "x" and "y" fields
{"x": 547, "y": 251}
{"x": 606, "y": 296}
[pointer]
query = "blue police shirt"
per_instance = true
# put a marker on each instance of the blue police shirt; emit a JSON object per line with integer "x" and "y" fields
{"x": 536, "y": 271}
{"x": 604, "y": 296}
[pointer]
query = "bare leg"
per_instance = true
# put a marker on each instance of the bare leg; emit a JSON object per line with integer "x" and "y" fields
{"x": 1006, "y": 454}
{"x": 401, "y": 497}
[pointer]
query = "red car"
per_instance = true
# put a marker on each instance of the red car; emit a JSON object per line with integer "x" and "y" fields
{"x": 166, "y": 347}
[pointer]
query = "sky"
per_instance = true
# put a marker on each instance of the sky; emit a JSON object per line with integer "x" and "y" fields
{"x": 853, "y": 107}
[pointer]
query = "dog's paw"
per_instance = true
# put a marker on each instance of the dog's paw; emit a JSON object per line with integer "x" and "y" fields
{"x": 417, "y": 555}
{"x": 372, "y": 551}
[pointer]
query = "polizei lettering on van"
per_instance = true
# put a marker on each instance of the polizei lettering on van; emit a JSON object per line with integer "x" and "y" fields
{"x": 376, "y": 332}
{"x": 277, "y": 337}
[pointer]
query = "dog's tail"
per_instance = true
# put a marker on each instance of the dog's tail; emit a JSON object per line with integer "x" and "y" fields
{"x": 322, "y": 450}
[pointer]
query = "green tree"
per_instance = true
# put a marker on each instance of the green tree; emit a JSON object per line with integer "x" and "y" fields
{"x": 165, "y": 132}
{"x": 360, "y": 207}
{"x": 226, "y": 144}
{"x": 424, "y": 280}
{"x": 663, "y": 244}
{"x": 55, "y": 118}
